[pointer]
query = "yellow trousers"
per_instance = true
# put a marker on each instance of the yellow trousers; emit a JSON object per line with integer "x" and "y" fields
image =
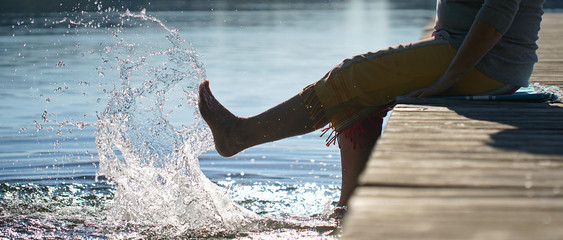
{"x": 362, "y": 85}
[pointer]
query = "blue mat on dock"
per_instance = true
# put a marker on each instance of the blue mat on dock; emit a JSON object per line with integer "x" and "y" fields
{"x": 524, "y": 94}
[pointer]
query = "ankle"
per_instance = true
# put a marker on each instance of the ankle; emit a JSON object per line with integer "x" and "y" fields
{"x": 238, "y": 136}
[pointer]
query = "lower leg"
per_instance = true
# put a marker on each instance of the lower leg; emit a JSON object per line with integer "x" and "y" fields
{"x": 353, "y": 161}
{"x": 356, "y": 144}
{"x": 233, "y": 134}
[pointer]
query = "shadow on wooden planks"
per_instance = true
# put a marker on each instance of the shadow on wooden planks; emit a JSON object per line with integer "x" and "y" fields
{"x": 530, "y": 127}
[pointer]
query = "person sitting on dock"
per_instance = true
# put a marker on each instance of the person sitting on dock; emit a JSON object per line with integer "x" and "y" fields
{"x": 478, "y": 47}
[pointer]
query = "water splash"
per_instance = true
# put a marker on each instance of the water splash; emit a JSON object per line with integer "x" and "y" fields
{"x": 147, "y": 143}
{"x": 153, "y": 163}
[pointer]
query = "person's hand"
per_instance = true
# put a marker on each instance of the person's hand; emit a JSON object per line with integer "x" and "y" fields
{"x": 441, "y": 85}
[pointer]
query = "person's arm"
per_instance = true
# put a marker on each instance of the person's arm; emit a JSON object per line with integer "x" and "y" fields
{"x": 482, "y": 37}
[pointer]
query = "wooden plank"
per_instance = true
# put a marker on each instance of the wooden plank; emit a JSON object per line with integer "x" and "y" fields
{"x": 414, "y": 213}
{"x": 455, "y": 155}
{"x": 413, "y": 133}
{"x": 549, "y": 69}
{"x": 477, "y": 176}
{"x": 468, "y": 170}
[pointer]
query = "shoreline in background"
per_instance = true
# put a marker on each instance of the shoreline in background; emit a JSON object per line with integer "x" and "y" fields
{"x": 31, "y": 7}
{"x": 34, "y": 7}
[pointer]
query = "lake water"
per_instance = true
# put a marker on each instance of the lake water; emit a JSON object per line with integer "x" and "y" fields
{"x": 100, "y": 139}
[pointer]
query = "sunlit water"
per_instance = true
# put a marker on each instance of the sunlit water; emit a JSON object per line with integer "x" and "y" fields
{"x": 100, "y": 137}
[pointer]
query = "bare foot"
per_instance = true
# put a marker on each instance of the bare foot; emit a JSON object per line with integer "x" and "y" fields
{"x": 222, "y": 122}
{"x": 339, "y": 212}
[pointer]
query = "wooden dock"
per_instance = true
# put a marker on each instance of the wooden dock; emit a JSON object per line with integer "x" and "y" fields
{"x": 448, "y": 169}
